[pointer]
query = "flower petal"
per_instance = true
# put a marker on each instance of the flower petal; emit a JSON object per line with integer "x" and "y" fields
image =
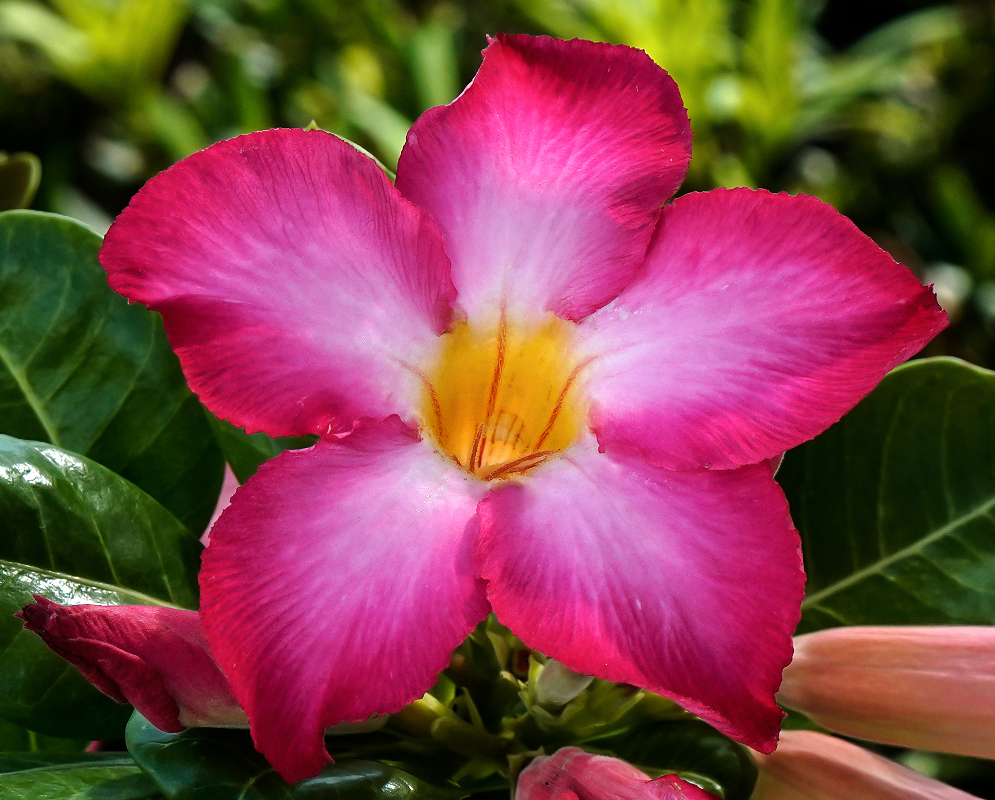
{"x": 154, "y": 658}
{"x": 295, "y": 283}
{"x": 759, "y": 321}
{"x": 930, "y": 688}
{"x": 813, "y": 766}
{"x": 337, "y": 583}
{"x": 572, "y": 774}
{"x": 546, "y": 174}
{"x": 688, "y": 584}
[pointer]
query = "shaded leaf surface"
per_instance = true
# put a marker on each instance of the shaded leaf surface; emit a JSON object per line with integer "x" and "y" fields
{"x": 214, "y": 764}
{"x": 83, "y": 369}
{"x": 117, "y": 780}
{"x": 16, "y": 761}
{"x": 77, "y": 533}
{"x": 20, "y": 174}
{"x": 895, "y": 503}
{"x": 17, "y": 739}
{"x": 245, "y": 452}
{"x": 692, "y": 749}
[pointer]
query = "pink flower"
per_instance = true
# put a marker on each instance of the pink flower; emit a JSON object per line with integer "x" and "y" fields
{"x": 572, "y": 774}
{"x": 813, "y": 766}
{"x": 154, "y": 658}
{"x": 931, "y": 688}
{"x": 538, "y": 393}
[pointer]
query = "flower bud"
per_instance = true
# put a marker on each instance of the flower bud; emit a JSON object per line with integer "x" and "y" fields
{"x": 557, "y": 685}
{"x": 931, "y": 688}
{"x": 155, "y": 658}
{"x": 572, "y": 774}
{"x": 814, "y": 766}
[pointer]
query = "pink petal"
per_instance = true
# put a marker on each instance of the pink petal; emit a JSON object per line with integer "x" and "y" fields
{"x": 228, "y": 487}
{"x": 572, "y": 774}
{"x": 686, "y": 584}
{"x": 298, "y": 288}
{"x": 547, "y": 173}
{"x": 759, "y": 321}
{"x": 670, "y": 787}
{"x": 813, "y": 766}
{"x": 337, "y": 583}
{"x": 920, "y": 687}
{"x": 154, "y": 658}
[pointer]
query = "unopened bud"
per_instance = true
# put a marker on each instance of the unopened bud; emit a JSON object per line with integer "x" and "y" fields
{"x": 557, "y": 685}
{"x": 931, "y": 688}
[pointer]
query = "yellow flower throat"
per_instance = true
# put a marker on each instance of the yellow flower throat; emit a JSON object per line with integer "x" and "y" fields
{"x": 501, "y": 401}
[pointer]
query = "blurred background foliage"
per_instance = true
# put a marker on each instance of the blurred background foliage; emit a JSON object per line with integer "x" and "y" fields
{"x": 883, "y": 108}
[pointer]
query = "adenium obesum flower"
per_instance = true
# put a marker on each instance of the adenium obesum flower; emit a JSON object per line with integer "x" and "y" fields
{"x": 154, "y": 658}
{"x": 539, "y": 391}
{"x": 814, "y": 766}
{"x": 931, "y": 688}
{"x": 572, "y": 774}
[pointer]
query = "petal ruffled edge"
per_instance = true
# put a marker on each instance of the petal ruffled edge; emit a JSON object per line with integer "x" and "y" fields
{"x": 688, "y": 584}
{"x": 757, "y": 322}
{"x": 298, "y": 288}
{"x": 547, "y": 173}
{"x": 337, "y": 583}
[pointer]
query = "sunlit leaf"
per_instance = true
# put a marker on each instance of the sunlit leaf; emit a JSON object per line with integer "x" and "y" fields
{"x": 896, "y": 503}
{"x": 83, "y": 369}
{"x": 75, "y": 532}
{"x": 119, "y": 779}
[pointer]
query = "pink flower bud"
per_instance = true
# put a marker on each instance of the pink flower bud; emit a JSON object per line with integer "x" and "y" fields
{"x": 154, "y": 658}
{"x": 572, "y": 774}
{"x": 931, "y": 688}
{"x": 814, "y": 766}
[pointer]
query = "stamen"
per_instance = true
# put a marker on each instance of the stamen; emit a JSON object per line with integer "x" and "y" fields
{"x": 559, "y": 406}
{"x": 522, "y": 464}
{"x": 473, "y": 462}
{"x": 502, "y": 400}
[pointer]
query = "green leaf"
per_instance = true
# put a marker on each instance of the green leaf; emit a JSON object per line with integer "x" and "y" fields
{"x": 246, "y": 452}
{"x": 214, "y": 764}
{"x": 15, "y": 738}
{"x": 117, "y": 779}
{"x": 20, "y": 175}
{"x": 690, "y": 748}
{"x": 896, "y": 503}
{"x": 76, "y": 532}
{"x": 83, "y": 369}
{"x": 14, "y": 762}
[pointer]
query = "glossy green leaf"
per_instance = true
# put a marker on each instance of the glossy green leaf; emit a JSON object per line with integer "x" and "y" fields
{"x": 119, "y": 779}
{"x": 20, "y": 174}
{"x": 214, "y": 764}
{"x": 245, "y": 452}
{"x": 76, "y": 532}
{"x": 692, "y": 749}
{"x": 16, "y": 761}
{"x": 896, "y": 503}
{"x": 83, "y": 369}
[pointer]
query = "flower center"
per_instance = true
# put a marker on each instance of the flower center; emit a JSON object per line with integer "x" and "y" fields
{"x": 502, "y": 400}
